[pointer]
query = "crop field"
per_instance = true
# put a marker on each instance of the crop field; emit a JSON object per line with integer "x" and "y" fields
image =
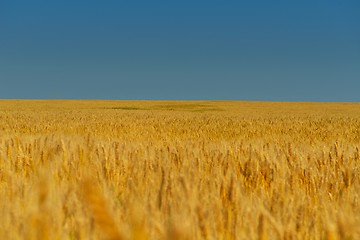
{"x": 177, "y": 170}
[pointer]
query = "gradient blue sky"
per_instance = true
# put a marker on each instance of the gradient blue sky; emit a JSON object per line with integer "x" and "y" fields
{"x": 246, "y": 50}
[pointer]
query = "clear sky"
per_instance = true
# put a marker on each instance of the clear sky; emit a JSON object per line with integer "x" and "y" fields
{"x": 305, "y": 50}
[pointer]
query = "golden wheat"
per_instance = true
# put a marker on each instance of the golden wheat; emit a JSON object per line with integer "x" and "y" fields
{"x": 179, "y": 170}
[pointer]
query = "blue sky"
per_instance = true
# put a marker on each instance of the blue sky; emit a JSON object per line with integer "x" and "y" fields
{"x": 245, "y": 50}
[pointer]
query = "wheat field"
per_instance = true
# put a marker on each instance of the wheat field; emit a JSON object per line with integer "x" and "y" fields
{"x": 179, "y": 170}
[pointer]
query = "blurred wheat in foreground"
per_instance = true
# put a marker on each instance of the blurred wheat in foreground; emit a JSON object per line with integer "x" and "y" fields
{"x": 179, "y": 170}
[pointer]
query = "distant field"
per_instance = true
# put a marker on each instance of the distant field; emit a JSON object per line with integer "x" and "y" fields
{"x": 179, "y": 170}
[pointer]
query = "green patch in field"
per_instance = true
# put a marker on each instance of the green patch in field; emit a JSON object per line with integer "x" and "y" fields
{"x": 173, "y": 107}
{"x": 129, "y": 108}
